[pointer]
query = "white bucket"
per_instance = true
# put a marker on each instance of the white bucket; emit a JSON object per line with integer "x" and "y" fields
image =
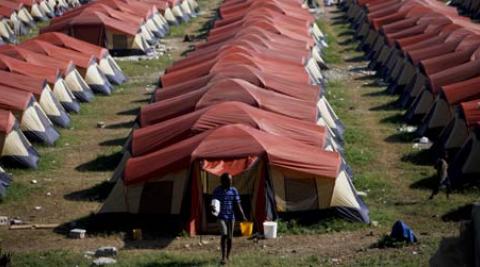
{"x": 270, "y": 229}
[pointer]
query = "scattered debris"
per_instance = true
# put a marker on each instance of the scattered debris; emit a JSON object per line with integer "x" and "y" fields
{"x": 108, "y": 251}
{"x": 150, "y": 88}
{"x": 407, "y": 129}
{"x": 33, "y": 226}
{"x": 422, "y": 143}
{"x": 77, "y": 233}
{"x": 362, "y": 194}
{"x": 101, "y": 124}
{"x": 16, "y": 222}
{"x": 3, "y": 220}
{"x": 20, "y": 227}
{"x": 104, "y": 261}
{"x": 188, "y": 38}
{"x": 137, "y": 234}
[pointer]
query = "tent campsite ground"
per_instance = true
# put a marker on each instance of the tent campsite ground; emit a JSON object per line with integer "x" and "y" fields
{"x": 395, "y": 177}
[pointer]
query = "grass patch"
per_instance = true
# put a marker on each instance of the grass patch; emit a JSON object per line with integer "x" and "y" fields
{"x": 166, "y": 259}
{"x": 331, "y": 54}
{"x": 55, "y": 258}
{"x": 18, "y": 191}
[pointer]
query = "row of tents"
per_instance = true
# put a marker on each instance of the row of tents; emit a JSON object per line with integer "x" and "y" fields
{"x": 467, "y": 7}
{"x": 249, "y": 101}
{"x": 42, "y": 81}
{"x": 428, "y": 54}
{"x": 124, "y": 26}
{"x": 17, "y": 17}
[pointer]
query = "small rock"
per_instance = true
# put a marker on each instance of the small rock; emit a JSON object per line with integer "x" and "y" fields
{"x": 414, "y": 252}
{"x": 264, "y": 246}
{"x": 38, "y": 207}
{"x": 104, "y": 261}
{"x": 187, "y": 246}
{"x": 335, "y": 260}
{"x": 109, "y": 251}
{"x": 204, "y": 242}
{"x": 374, "y": 223}
{"x": 218, "y": 248}
{"x": 34, "y": 181}
{"x": 101, "y": 124}
{"x": 48, "y": 194}
{"x": 200, "y": 244}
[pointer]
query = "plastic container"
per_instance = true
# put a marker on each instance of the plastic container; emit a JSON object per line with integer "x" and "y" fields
{"x": 270, "y": 229}
{"x": 137, "y": 234}
{"x": 246, "y": 228}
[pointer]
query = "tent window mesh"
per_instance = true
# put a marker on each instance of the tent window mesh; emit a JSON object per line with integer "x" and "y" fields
{"x": 157, "y": 198}
{"x": 300, "y": 194}
{"x": 119, "y": 41}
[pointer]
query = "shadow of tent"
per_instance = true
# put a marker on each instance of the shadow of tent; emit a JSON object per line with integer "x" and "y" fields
{"x": 422, "y": 157}
{"x": 156, "y": 235}
{"x": 130, "y": 112}
{"x": 383, "y": 107}
{"x": 127, "y": 124}
{"x": 396, "y": 118}
{"x": 459, "y": 214}
{"x": 101, "y": 163}
{"x": 379, "y": 93}
{"x": 401, "y": 137}
{"x": 427, "y": 183}
{"x": 114, "y": 142}
{"x": 98, "y": 192}
{"x": 141, "y": 101}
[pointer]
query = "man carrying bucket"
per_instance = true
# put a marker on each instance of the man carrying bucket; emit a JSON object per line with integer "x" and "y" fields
{"x": 228, "y": 197}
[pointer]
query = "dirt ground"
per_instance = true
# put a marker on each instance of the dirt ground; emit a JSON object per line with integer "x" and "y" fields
{"x": 74, "y": 170}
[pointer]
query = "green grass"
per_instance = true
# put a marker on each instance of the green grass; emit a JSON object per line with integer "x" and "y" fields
{"x": 166, "y": 259}
{"x": 18, "y": 191}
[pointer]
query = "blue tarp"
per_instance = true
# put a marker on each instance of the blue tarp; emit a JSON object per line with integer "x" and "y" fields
{"x": 402, "y": 232}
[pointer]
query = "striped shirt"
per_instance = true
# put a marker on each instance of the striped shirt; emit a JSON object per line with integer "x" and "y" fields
{"x": 227, "y": 199}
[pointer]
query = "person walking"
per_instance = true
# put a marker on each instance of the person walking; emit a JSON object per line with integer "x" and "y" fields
{"x": 443, "y": 180}
{"x": 229, "y": 198}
